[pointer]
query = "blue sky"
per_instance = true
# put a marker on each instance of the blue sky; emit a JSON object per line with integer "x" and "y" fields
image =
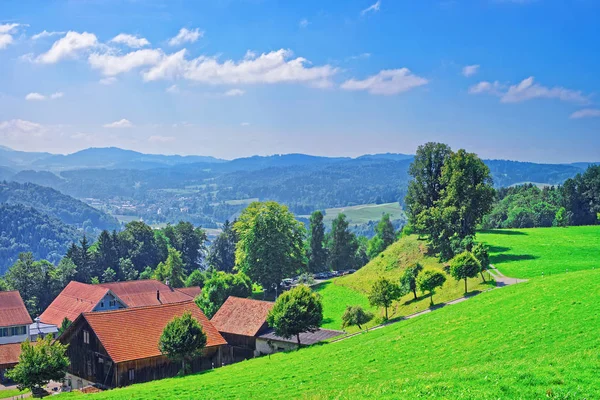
{"x": 513, "y": 79}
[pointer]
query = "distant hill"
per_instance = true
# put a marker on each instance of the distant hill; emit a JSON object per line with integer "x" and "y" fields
{"x": 24, "y": 229}
{"x": 56, "y": 205}
{"x": 109, "y": 157}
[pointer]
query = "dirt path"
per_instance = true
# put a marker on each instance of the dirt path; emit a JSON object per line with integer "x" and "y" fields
{"x": 501, "y": 281}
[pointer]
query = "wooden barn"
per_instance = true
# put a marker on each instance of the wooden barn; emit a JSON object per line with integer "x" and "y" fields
{"x": 240, "y": 321}
{"x": 118, "y": 348}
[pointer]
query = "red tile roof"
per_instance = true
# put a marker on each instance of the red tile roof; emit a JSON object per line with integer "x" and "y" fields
{"x": 191, "y": 291}
{"x": 12, "y": 310}
{"x": 78, "y": 297}
{"x": 73, "y": 300}
{"x": 9, "y": 355}
{"x": 241, "y": 316}
{"x": 134, "y": 333}
{"x": 143, "y": 293}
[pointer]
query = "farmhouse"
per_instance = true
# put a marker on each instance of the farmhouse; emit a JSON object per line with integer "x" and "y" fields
{"x": 14, "y": 318}
{"x": 77, "y": 298}
{"x": 14, "y": 329}
{"x": 120, "y": 347}
{"x": 240, "y": 321}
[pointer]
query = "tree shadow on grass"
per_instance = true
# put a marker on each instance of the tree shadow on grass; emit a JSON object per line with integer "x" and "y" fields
{"x": 326, "y": 321}
{"x": 502, "y": 232}
{"x": 498, "y": 249}
{"x": 500, "y": 258}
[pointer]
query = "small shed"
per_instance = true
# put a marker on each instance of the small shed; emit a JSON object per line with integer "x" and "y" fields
{"x": 269, "y": 342}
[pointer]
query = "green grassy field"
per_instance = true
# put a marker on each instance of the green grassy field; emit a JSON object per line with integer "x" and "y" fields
{"x": 527, "y": 253}
{"x": 11, "y": 393}
{"x": 537, "y": 339}
{"x": 353, "y": 289}
{"x": 363, "y": 213}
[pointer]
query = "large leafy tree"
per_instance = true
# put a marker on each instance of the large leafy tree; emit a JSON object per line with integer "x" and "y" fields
{"x": 182, "y": 339}
{"x": 271, "y": 243}
{"x": 219, "y": 287}
{"x": 408, "y": 281}
{"x": 464, "y": 266}
{"x": 355, "y": 315}
{"x": 296, "y": 311}
{"x": 448, "y": 196}
{"x": 190, "y": 242}
{"x": 317, "y": 253}
{"x": 481, "y": 253}
{"x": 385, "y": 235}
{"x": 140, "y": 245}
{"x": 36, "y": 281}
{"x": 40, "y": 364}
{"x": 429, "y": 280}
{"x": 425, "y": 188}
{"x": 342, "y": 244}
{"x": 383, "y": 293}
{"x": 221, "y": 254}
{"x": 107, "y": 255}
{"x": 171, "y": 270}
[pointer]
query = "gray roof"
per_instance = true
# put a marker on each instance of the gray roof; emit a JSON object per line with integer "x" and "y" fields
{"x": 306, "y": 338}
{"x": 42, "y": 328}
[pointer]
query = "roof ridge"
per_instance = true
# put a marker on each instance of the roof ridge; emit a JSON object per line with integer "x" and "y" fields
{"x": 129, "y": 309}
{"x": 247, "y": 298}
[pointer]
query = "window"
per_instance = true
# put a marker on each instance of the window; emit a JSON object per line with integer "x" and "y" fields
{"x": 112, "y": 303}
{"x": 101, "y": 304}
{"x": 131, "y": 374}
{"x": 86, "y": 337}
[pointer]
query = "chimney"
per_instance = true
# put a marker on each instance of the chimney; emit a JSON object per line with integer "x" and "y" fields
{"x": 158, "y": 296}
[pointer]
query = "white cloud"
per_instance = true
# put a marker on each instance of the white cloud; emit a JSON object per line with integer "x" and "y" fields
{"x": 387, "y": 82}
{"x": 108, "y": 81}
{"x": 494, "y": 88}
{"x": 45, "y": 34}
{"x": 172, "y": 89}
{"x": 34, "y": 96}
{"x": 130, "y": 40}
{"x": 17, "y": 128}
{"x": 234, "y": 92}
{"x": 111, "y": 65}
{"x": 8, "y": 28}
{"x": 186, "y": 36}
{"x": 527, "y": 89}
{"x": 68, "y": 47}
{"x": 245, "y": 124}
{"x": 123, "y": 123}
{"x": 273, "y": 67}
{"x": 372, "y": 8}
{"x": 303, "y": 23}
{"x": 470, "y": 70}
{"x": 6, "y": 31}
{"x": 361, "y": 56}
{"x": 161, "y": 139}
{"x": 586, "y": 113}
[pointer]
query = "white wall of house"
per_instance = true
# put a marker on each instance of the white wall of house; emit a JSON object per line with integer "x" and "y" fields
{"x": 14, "y": 334}
{"x": 109, "y": 302}
{"x": 263, "y": 347}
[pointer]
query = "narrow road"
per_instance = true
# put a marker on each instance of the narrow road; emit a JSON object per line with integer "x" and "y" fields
{"x": 501, "y": 281}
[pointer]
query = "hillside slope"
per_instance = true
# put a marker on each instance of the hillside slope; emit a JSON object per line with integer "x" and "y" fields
{"x": 56, "y": 204}
{"x": 24, "y": 229}
{"x": 533, "y": 340}
{"x": 353, "y": 289}
{"x": 526, "y": 253}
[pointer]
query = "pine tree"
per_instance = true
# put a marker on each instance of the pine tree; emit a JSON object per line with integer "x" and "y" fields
{"x": 317, "y": 254}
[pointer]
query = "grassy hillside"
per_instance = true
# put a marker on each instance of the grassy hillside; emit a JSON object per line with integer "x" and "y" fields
{"x": 533, "y": 340}
{"x": 353, "y": 289}
{"x": 526, "y": 253}
{"x": 364, "y": 213}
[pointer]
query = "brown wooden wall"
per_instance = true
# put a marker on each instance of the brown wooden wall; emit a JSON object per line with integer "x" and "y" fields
{"x": 88, "y": 361}
{"x": 248, "y": 342}
{"x": 149, "y": 369}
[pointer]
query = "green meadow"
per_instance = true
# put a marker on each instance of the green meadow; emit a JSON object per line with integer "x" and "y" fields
{"x": 528, "y": 253}
{"x": 363, "y": 213}
{"x": 537, "y": 339}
